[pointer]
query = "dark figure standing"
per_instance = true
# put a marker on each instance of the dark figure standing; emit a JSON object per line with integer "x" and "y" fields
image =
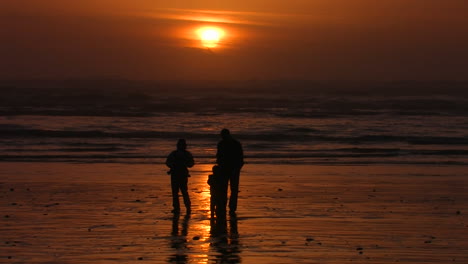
{"x": 230, "y": 157}
{"x": 218, "y": 192}
{"x": 179, "y": 161}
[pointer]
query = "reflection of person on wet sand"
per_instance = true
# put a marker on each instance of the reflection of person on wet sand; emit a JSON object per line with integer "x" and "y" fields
{"x": 226, "y": 241}
{"x": 179, "y": 241}
{"x": 179, "y": 161}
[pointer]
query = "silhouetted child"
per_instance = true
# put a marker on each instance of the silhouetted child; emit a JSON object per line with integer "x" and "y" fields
{"x": 218, "y": 192}
{"x": 179, "y": 161}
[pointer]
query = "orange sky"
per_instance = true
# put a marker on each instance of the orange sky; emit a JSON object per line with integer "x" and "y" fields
{"x": 265, "y": 39}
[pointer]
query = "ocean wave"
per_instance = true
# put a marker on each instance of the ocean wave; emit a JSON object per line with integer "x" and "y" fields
{"x": 261, "y": 137}
{"x": 145, "y": 159}
{"x": 95, "y": 99}
{"x": 96, "y": 149}
{"x": 263, "y": 155}
{"x": 15, "y": 133}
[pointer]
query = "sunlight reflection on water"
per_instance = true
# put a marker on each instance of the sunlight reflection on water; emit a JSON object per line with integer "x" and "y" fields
{"x": 202, "y": 195}
{"x": 196, "y": 237}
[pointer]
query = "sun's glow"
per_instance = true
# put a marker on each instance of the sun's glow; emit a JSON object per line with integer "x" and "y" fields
{"x": 210, "y": 36}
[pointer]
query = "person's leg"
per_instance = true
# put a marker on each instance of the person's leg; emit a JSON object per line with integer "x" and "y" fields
{"x": 212, "y": 201}
{"x": 234, "y": 184}
{"x": 221, "y": 188}
{"x": 221, "y": 199}
{"x": 184, "y": 190}
{"x": 175, "y": 195}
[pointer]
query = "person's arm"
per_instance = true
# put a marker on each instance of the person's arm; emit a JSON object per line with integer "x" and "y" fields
{"x": 241, "y": 156}
{"x": 218, "y": 154}
{"x": 170, "y": 160}
{"x": 190, "y": 161}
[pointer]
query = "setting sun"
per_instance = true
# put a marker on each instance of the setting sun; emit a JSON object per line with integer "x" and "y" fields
{"x": 210, "y": 36}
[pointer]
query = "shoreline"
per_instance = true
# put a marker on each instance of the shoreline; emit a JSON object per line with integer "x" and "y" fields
{"x": 122, "y": 172}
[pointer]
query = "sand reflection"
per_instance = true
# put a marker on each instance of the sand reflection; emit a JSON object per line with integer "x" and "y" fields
{"x": 225, "y": 245}
{"x": 178, "y": 239}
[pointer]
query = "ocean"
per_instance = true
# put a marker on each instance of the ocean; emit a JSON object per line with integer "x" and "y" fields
{"x": 101, "y": 123}
{"x": 330, "y": 176}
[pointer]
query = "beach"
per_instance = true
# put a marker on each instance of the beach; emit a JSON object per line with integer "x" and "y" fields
{"x": 349, "y": 120}
{"x": 120, "y": 213}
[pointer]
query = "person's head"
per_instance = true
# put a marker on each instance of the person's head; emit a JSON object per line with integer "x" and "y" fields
{"x": 216, "y": 169}
{"x": 225, "y": 133}
{"x": 181, "y": 144}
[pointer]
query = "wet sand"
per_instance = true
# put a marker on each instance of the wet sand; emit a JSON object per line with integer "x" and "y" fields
{"x": 116, "y": 213}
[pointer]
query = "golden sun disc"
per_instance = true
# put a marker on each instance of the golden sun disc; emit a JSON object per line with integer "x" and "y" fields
{"x": 210, "y": 36}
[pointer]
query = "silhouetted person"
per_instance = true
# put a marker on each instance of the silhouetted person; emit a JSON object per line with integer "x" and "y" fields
{"x": 179, "y": 161}
{"x": 218, "y": 192}
{"x": 230, "y": 157}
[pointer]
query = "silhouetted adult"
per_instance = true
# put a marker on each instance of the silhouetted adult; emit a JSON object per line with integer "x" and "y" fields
{"x": 179, "y": 161}
{"x": 230, "y": 157}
